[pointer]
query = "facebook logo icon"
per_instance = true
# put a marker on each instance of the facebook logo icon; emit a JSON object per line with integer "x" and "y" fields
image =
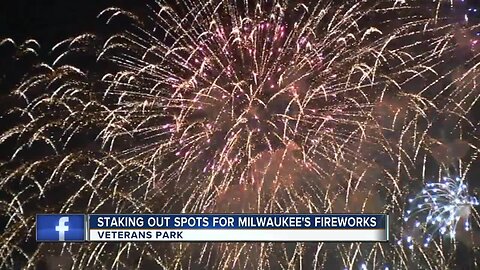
{"x": 61, "y": 228}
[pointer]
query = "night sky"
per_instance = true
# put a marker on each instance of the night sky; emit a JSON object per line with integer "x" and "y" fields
{"x": 51, "y": 21}
{"x": 47, "y": 22}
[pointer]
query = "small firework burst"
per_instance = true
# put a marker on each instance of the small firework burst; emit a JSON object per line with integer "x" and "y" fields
{"x": 440, "y": 208}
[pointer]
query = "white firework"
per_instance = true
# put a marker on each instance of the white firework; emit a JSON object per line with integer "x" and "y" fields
{"x": 440, "y": 208}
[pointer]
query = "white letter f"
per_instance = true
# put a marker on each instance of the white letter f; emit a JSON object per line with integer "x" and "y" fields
{"x": 62, "y": 228}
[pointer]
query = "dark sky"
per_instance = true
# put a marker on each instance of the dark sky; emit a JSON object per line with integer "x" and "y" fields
{"x": 50, "y": 21}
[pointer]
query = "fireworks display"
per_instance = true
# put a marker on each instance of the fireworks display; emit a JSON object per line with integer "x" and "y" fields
{"x": 242, "y": 106}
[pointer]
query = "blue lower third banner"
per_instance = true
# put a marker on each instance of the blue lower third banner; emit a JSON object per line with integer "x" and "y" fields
{"x": 61, "y": 227}
{"x": 220, "y": 227}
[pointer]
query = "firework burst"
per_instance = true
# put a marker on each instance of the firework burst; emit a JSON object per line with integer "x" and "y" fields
{"x": 440, "y": 207}
{"x": 236, "y": 106}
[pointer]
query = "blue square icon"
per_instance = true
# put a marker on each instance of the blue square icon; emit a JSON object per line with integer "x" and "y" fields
{"x": 61, "y": 227}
